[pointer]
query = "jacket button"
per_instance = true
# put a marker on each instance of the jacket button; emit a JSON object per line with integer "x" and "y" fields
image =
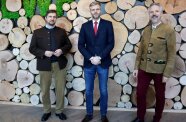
{"x": 48, "y": 44}
{"x": 148, "y": 59}
{"x": 149, "y": 51}
{"x": 150, "y": 44}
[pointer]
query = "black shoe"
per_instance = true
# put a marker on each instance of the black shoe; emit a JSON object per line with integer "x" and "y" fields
{"x": 87, "y": 118}
{"x": 45, "y": 116}
{"x": 137, "y": 120}
{"x": 104, "y": 119}
{"x": 62, "y": 116}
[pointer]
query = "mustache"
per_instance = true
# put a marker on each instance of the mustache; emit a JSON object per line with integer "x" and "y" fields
{"x": 154, "y": 16}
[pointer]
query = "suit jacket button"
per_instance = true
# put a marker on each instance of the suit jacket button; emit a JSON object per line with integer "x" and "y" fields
{"x": 148, "y": 59}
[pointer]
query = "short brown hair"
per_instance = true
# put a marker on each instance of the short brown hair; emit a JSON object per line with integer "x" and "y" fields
{"x": 50, "y": 11}
{"x": 94, "y": 3}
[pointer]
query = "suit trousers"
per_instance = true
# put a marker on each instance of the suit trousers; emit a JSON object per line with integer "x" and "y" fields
{"x": 144, "y": 79}
{"x": 45, "y": 82}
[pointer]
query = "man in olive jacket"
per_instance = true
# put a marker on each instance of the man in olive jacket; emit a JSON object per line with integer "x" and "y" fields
{"x": 50, "y": 44}
{"x": 155, "y": 61}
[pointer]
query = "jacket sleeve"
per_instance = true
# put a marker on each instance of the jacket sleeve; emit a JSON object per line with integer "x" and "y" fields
{"x": 139, "y": 53}
{"x": 82, "y": 44}
{"x": 110, "y": 45}
{"x": 67, "y": 46}
{"x": 34, "y": 49}
{"x": 171, "y": 53}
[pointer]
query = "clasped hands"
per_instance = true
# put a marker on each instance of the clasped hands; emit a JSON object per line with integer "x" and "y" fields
{"x": 57, "y": 53}
{"x": 96, "y": 60}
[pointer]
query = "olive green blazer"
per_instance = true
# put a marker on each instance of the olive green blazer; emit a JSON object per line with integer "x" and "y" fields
{"x": 157, "y": 50}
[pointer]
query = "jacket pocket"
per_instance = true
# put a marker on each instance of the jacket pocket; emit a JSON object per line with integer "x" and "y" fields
{"x": 160, "y": 62}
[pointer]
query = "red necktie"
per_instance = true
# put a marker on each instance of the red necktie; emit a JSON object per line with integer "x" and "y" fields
{"x": 95, "y": 27}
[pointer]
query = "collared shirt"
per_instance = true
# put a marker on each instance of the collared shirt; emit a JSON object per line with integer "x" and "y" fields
{"x": 96, "y": 21}
{"x": 49, "y": 26}
{"x": 155, "y": 26}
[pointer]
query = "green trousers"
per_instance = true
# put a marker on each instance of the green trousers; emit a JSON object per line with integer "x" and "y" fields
{"x": 45, "y": 82}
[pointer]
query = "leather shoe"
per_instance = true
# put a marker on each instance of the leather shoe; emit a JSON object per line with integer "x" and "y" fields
{"x": 87, "y": 118}
{"x": 45, "y": 116}
{"x": 61, "y": 116}
{"x": 104, "y": 119}
{"x": 137, "y": 120}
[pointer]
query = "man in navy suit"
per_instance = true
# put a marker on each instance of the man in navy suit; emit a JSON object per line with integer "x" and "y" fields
{"x": 96, "y": 41}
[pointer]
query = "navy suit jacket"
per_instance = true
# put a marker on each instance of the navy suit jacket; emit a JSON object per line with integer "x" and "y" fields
{"x": 100, "y": 44}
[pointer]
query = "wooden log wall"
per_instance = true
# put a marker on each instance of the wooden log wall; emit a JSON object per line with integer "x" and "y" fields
{"x": 19, "y": 79}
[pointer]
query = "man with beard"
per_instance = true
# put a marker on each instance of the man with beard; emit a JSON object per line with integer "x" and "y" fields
{"x": 96, "y": 41}
{"x": 50, "y": 44}
{"x": 155, "y": 61}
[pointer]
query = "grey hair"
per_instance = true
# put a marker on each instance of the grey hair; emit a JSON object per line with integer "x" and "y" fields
{"x": 94, "y": 3}
{"x": 156, "y": 4}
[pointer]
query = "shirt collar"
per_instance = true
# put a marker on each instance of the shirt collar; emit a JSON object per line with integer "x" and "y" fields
{"x": 96, "y": 21}
{"x": 49, "y": 26}
{"x": 155, "y": 26}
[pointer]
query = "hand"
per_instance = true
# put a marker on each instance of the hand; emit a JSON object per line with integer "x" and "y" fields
{"x": 48, "y": 53}
{"x": 95, "y": 60}
{"x": 165, "y": 79}
{"x": 58, "y": 52}
{"x": 135, "y": 73}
